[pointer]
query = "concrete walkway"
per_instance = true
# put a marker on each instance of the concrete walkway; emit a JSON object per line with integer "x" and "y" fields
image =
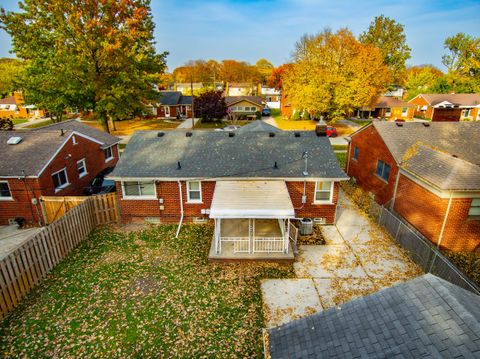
{"x": 270, "y": 120}
{"x": 187, "y": 124}
{"x": 11, "y": 238}
{"x": 358, "y": 259}
{"x": 31, "y": 121}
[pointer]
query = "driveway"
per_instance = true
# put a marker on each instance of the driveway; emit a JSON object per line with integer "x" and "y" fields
{"x": 358, "y": 259}
{"x": 11, "y": 238}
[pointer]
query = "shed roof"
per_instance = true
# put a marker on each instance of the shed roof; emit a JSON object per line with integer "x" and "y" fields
{"x": 425, "y": 317}
{"x": 251, "y": 199}
{"x": 212, "y": 154}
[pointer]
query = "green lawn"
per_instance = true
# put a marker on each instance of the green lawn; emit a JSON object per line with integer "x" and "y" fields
{"x": 17, "y": 121}
{"x": 340, "y": 147}
{"x": 361, "y": 122}
{"x": 142, "y": 294}
{"x": 342, "y": 158}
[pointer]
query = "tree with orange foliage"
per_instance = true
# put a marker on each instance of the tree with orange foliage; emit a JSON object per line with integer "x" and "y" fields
{"x": 333, "y": 74}
{"x": 275, "y": 78}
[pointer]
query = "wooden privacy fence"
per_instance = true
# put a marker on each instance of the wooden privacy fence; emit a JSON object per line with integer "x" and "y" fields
{"x": 25, "y": 267}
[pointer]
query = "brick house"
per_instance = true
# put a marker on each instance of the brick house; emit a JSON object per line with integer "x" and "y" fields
{"x": 428, "y": 173}
{"x": 244, "y": 105}
{"x": 172, "y": 104}
{"x": 252, "y": 183}
{"x": 14, "y": 107}
{"x": 59, "y": 159}
{"x": 447, "y": 107}
{"x": 389, "y": 108}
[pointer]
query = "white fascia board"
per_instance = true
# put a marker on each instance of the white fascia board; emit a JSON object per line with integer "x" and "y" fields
{"x": 172, "y": 179}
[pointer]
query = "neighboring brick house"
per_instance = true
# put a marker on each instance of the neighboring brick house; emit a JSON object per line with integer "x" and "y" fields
{"x": 244, "y": 105}
{"x": 251, "y": 182}
{"x": 389, "y": 108}
{"x": 59, "y": 159}
{"x": 447, "y": 107}
{"x": 428, "y": 173}
{"x": 172, "y": 104}
{"x": 14, "y": 107}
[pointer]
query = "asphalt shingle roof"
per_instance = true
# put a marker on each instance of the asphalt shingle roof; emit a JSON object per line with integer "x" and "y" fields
{"x": 230, "y": 100}
{"x": 258, "y": 125}
{"x": 460, "y": 99}
{"x": 389, "y": 101}
{"x": 458, "y": 140}
{"x": 10, "y": 100}
{"x": 38, "y": 146}
{"x": 212, "y": 154}
{"x": 426, "y": 317}
{"x": 174, "y": 98}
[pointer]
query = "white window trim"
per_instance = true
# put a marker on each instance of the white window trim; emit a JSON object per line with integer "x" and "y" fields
{"x": 111, "y": 151}
{"x": 150, "y": 197}
{"x": 9, "y": 190}
{"x": 330, "y": 201}
{"x": 189, "y": 200}
{"x": 84, "y": 166}
{"x": 58, "y": 189}
{"x": 405, "y": 113}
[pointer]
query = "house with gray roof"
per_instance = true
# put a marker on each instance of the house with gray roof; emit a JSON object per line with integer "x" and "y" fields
{"x": 251, "y": 183}
{"x": 56, "y": 160}
{"x": 173, "y": 105}
{"x": 426, "y": 317}
{"x": 447, "y": 107}
{"x": 428, "y": 173}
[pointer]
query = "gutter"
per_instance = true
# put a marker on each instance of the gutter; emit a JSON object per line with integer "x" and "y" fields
{"x": 181, "y": 208}
{"x": 445, "y": 221}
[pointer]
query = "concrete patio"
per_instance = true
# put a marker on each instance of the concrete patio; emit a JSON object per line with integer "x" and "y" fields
{"x": 11, "y": 238}
{"x": 358, "y": 259}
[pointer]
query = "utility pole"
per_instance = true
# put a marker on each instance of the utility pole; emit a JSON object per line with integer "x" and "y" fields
{"x": 191, "y": 91}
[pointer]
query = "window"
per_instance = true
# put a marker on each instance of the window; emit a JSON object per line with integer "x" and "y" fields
{"x": 74, "y": 140}
{"x": 383, "y": 170}
{"x": 475, "y": 208}
{"x": 194, "y": 191}
{"x": 405, "y": 111}
{"x": 60, "y": 179}
{"x": 5, "y": 191}
{"x": 108, "y": 153}
{"x": 139, "y": 190}
{"x": 388, "y": 111}
{"x": 356, "y": 151}
{"x": 323, "y": 191}
{"x": 82, "y": 168}
{"x": 466, "y": 112}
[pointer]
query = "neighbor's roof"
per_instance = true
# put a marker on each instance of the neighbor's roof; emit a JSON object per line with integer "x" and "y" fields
{"x": 442, "y": 169}
{"x": 458, "y": 139}
{"x": 173, "y": 98}
{"x": 212, "y": 154}
{"x": 258, "y": 125}
{"x": 460, "y": 99}
{"x": 38, "y": 146}
{"x": 426, "y": 317}
{"x": 389, "y": 101}
{"x": 251, "y": 199}
{"x": 10, "y": 100}
{"x": 230, "y": 100}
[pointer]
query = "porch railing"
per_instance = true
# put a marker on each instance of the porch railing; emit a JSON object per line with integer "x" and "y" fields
{"x": 268, "y": 245}
{"x": 240, "y": 244}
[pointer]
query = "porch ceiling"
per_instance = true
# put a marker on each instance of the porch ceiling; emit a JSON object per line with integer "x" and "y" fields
{"x": 251, "y": 199}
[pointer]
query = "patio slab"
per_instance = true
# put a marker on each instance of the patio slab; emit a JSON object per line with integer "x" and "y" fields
{"x": 285, "y": 300}
{"x": 331, "y": 235}
{"x": 11, "y": 238}
{"x": 327, "y": 261}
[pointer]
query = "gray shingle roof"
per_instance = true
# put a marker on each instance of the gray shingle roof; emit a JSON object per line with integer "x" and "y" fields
{"x": 258, "y": 125}
{"x": 460, "y": 99}
{"x": 459, "y": 139}
{"x": 211, "y": 154}
{"x": 38, "y": 146}
{"x": 426, "y": 317}
{"x": 173, "y": 98}
{"x": 230, "y": 100}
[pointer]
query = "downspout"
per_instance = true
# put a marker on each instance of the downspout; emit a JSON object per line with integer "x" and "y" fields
{"x": 181, "y": 208}
{"x": 395, "y": 189}
{"x": 445, "y": 221}
{"x": 349, "y": 154}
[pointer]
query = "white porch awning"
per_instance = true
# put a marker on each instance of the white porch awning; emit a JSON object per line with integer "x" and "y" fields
{"x": 251, "y": 199}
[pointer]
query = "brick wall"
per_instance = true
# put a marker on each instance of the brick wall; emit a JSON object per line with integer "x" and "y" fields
{"x": 138, "y": 210}
{"x": 426, "y": 212}
{"x": 67, "y": 158}
{"x": 371, "y": 149}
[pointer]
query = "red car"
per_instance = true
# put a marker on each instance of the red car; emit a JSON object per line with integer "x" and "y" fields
{"x": 331, "y": 131}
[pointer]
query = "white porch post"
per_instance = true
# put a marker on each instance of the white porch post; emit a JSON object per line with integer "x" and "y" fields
{"x": 217, "y": 235}
{"x": 287, "y": 236}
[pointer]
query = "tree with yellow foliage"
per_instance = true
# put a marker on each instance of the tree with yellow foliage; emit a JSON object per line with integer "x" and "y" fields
{"x": 333, "y": 74}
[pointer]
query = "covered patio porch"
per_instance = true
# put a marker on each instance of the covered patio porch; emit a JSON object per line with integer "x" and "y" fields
{"x": 252, "y": 221}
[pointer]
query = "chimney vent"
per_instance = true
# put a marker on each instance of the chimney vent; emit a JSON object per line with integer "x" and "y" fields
{"x": 297, "y": 134}
{"x": 271, "y": 134}
{"x": 275, "y": 166}
{"x": 62, "y": 132}
{"x": 179, "y": 166}
{"x": 188, "y": 134}
{"x": 425, "y": 124}
{"x": 231, "y": 134}
{"x": 160, "y": 134}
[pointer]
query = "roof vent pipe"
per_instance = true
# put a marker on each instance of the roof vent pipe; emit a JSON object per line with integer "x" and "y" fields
{"x": 160, "y": 134}
{"x": 271, "y": 134}
{"x": 62, "y": 132}
{"x": 425, "y": 124}
{"x": 231, "y": 134}
{"x": 188, "y": 134}
{"x": 297, "y": 134}
{"x": 275, "y": 166}
{"x": 179, "y": 166}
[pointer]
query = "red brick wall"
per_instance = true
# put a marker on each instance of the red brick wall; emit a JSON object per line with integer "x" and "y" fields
{"x": 137, "y": 210}
{"x": 426, "y": 212}
{"x": 309, "y": 209}
{"x": 420, "y": 101}
{"x": 372, "y": 148}
{"x": 95, "y": 162}
{"x": 173, "y": 112}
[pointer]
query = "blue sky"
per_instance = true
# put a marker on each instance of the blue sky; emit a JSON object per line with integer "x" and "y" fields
{"x": 252, "y": 29}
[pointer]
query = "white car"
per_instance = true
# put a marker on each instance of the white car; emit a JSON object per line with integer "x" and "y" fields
{"x": 228, "y": 128}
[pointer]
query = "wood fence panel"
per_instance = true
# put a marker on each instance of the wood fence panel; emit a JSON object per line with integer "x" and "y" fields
{"x": 25, "y": 267}
{"x": 55, "y": 207}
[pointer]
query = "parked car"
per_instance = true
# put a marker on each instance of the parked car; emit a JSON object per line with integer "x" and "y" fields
{"x": 228, "y": 128}
{"x": 331, "y": 131}
{"x": 100, "y": 185}
{"x": 266, "y": 111}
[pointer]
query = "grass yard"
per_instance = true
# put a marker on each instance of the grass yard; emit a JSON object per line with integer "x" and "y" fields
{"x": 127, "y": 127}
{"x": 292, "y": 125}
{"x": 39, "y": 124}
{"x": 17, "y": 121}
{"x": 342, "y": 159}
{"x": 142, "y": 294}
